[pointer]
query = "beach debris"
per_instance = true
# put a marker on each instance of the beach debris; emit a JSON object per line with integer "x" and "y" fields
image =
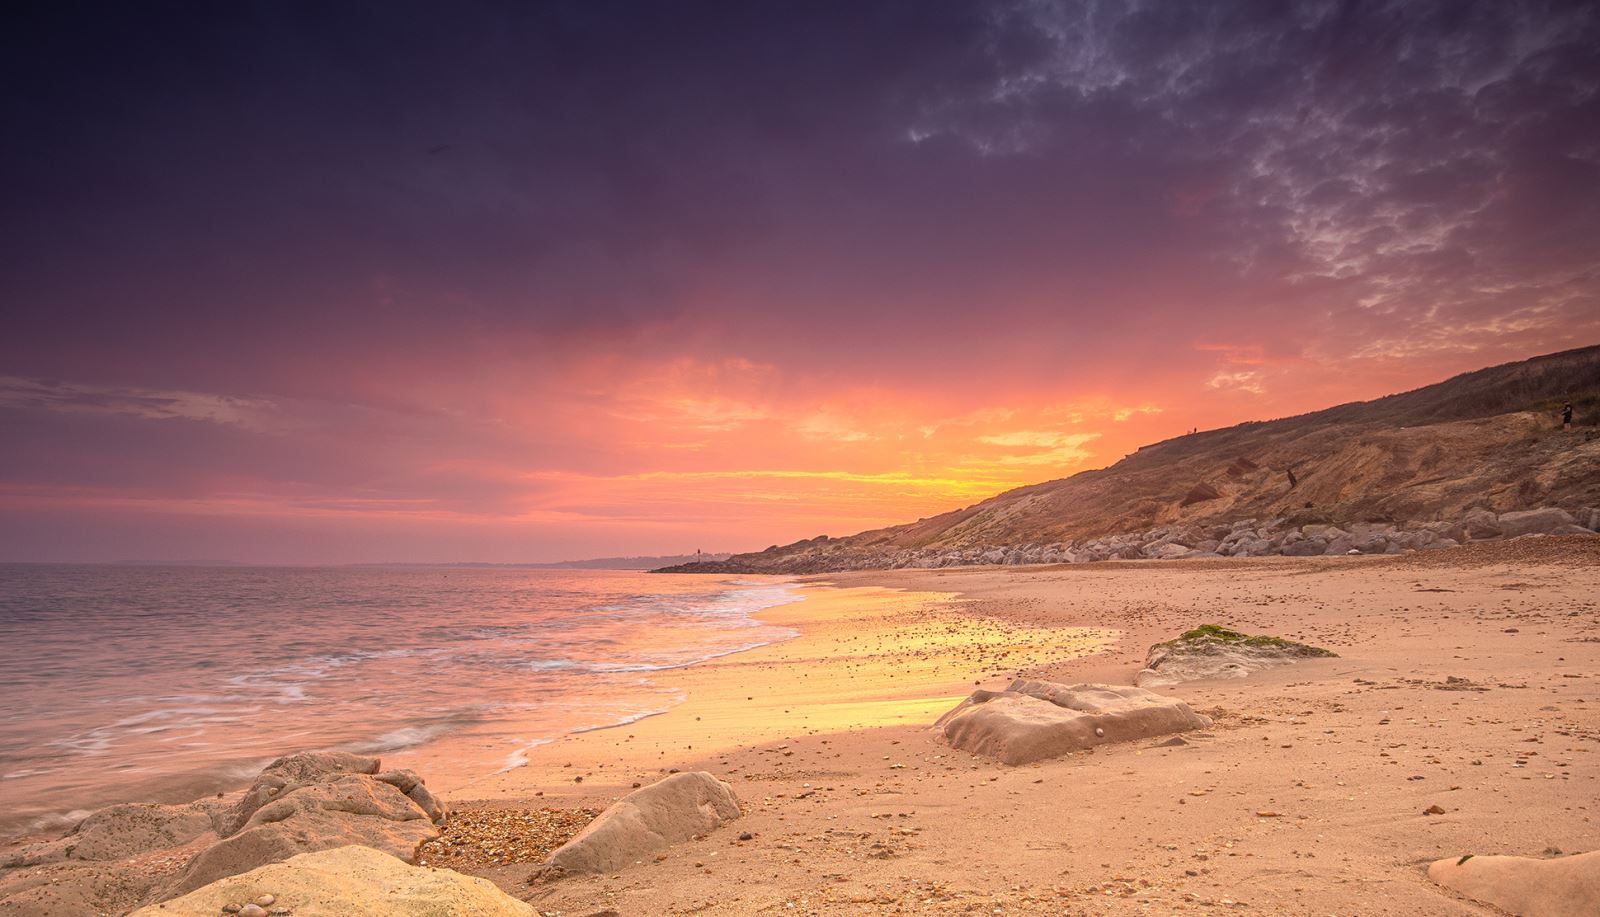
{"x": 1562, "y": 887}
{"x": 1214, "y": 651}
{"x": 351, "y": 881}
{"x": 1033, "y": 720}
{"x": 678, "y": 808}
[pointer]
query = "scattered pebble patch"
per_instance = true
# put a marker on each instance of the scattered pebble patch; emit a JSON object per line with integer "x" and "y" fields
{"x": 502, "y": 837}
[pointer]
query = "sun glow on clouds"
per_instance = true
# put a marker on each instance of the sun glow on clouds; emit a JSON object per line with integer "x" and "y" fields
{"x": 680, "y": 453}
{"x": 958, "y": 248}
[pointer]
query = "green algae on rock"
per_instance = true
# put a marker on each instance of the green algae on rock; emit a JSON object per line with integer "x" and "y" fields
{"x": 1214, "y": 651}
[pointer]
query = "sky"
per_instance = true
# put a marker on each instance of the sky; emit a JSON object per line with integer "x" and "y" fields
{"x": 392, "y": 281}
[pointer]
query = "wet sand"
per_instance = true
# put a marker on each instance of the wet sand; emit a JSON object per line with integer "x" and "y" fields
{"x": 1307, "y": 797}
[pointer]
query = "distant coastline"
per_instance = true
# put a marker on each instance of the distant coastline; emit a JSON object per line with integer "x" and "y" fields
{"x": 595, "y": 563}
{"x": 650, "y": 562}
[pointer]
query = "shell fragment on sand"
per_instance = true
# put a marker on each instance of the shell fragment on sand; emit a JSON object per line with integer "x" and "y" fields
{"x": 1033, "y": 720}
{"x": 1562, "y": 887}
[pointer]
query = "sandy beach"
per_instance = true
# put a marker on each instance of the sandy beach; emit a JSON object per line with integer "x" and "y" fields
{"x": 1465, "y": 680}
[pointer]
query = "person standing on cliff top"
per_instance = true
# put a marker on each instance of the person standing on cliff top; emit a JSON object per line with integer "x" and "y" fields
{"x": 1566, "y": 416}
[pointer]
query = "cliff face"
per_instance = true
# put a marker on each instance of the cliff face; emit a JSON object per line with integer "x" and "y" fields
{"x": 1488, "y": 440}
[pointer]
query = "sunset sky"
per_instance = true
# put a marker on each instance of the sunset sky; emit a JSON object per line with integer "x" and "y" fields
{"x": 539, "y": 281}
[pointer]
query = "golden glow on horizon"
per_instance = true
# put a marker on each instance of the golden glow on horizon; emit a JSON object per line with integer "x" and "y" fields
{"x": 612, "y": 456}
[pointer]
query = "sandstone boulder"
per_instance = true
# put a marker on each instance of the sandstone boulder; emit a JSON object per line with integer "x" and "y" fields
{"x": 292, "y": 771}
{"x": 352, "y": 808}
{"x": 1034, "y": 720}
{"x": 1563, "y": 887}
{"x": 119, "y": 832}
{"x": 1546, "y": 521}
{"x": 681, "y": 807}
{"x": 1210, "y": 651}
{"x": 125, "y": 855}
{"x": 349, "y": 882}
{"x": 411, "y": 783}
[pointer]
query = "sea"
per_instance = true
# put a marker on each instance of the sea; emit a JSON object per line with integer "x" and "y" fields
{"x": 166, "y": 683}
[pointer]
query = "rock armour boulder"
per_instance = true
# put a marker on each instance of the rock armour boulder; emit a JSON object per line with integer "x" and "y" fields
{"x": 1563, "y": 887}
{"x": 349, "y": 882}
{"x": 1034, "y": 720}
{"x": 681, "y": 807}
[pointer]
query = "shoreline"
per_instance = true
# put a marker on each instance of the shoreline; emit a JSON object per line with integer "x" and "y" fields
{"x": 1311, "y": 785}
{"x": 832, "y": 623}
{"x": 422, "y": 754}
{"x": 1462, "y": 716}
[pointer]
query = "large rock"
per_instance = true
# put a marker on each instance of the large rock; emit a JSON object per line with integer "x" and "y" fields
{"x": 107, "y": 863}
{"x": 122, "y": 856}
{"x": 1034, "y": 720}
{"x": 1480, "y": 523}
{"x": 681, "y": 807}
{"x": 118, "y": 832}
{"x": 1169, "y": 551}
{"x": 1563, "y": 887}
{"x": 1309, "y": 547}
{"x": 347, "y": 809}
{"x": 1210, "y": 651}
{"x": 349, "y": 882}
{"x": 1547, "y": 521}
{"x": 289, "y": 772}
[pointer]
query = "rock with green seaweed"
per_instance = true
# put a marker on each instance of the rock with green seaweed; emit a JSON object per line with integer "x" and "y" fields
{"x": 1215, "y": 651}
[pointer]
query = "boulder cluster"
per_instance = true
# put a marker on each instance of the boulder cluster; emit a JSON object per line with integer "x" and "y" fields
{"x": 301, "y": 803}
{"x": 321, "y": 834}
{"x": 1244, "y": 538}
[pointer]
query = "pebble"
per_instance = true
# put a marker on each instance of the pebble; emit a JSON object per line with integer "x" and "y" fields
{"x": 252, "y": 910}
{"x": 500, "y": 837}
{"x": 266, "y": 900}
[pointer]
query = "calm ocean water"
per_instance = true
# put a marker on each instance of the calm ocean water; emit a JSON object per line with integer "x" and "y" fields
{"x": 128, "y": 683}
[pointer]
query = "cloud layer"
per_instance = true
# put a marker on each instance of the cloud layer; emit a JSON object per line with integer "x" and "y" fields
{"x": 522, "y": 281}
